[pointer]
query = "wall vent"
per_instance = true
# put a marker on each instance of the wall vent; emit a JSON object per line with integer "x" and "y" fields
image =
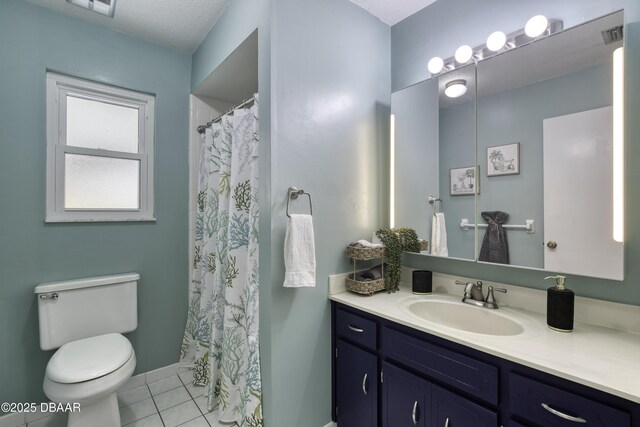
{"x": 612, "y": 35}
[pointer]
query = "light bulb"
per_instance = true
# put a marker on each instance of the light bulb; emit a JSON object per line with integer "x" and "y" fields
{"x": 536, "y": 26}
{"x": 464, "y": 54}
{"x": 435, "y": 65}
{"x": 455, "y": 88}
{"x": 496, "y": 41}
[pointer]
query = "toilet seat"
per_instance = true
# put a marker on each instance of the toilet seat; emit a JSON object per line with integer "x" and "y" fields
{"x": 89, "y": 358}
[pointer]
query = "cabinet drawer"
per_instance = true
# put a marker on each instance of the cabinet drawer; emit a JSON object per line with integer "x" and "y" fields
{"x": 356, "y": 328}
{"x": 551, "y": 406}
{"x": 461, "y": 372}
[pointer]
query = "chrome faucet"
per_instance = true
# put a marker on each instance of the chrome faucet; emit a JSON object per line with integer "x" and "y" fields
{"x": 473, "y": 294}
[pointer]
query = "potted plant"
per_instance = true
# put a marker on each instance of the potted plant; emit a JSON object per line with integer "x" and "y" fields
{"x": 396, "y": 241}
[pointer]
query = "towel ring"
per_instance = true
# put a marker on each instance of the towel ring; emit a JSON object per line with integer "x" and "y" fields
{"x": 293, "y": 194}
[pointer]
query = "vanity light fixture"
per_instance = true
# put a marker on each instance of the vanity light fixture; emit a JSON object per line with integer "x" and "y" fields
{"x": 618, "y": 145}
{"x": 392, "y": 172}
{"x": 464, "y": 54}
{"x": 455, "y": 88}
{"x": 496, "y": 41}
{"x": 435, "y": 65}
{"x": 103, "y": 7}
{"x": 536, "y": 26}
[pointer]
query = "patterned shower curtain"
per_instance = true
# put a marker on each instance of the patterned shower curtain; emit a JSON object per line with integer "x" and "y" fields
{"x": 221, "y": 336}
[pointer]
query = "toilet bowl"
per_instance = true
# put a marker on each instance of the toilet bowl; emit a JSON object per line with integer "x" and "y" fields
{"x": 89, "y": 372}
{"x": 84, "y": 320}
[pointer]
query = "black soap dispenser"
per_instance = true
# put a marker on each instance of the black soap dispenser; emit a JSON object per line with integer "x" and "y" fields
{"x": 560, "y": 305}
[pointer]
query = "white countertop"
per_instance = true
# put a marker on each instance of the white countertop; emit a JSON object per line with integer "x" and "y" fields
{"x": 602, "y": 358}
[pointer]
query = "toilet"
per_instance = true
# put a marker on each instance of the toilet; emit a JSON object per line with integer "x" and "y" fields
{"x": 85, "y": 319}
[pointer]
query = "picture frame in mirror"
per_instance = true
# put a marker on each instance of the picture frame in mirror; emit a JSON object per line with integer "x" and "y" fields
{"x": 503, "y": 159}
{"x": 464, "y": 181}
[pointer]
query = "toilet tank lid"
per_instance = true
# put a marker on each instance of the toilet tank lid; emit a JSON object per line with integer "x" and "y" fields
{"x": 86, "y": 283}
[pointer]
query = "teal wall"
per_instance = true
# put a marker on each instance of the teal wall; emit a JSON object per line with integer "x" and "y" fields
{"x": 35, "y": 39}
{"x": 457, "y": 149}
{"x": 416, "y": 152}
{"x": 324, "y": 83}
{"x": 517, "y": 116}
{"x": 240, "y": 19}
{"x": 330, "y": 93}
{"x": 441, "y": 27}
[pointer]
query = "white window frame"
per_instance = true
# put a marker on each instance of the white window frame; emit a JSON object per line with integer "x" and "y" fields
{"x": 58, "y": 86}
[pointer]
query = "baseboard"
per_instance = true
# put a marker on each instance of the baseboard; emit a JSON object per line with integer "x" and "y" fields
{"x": 20, "y": 419}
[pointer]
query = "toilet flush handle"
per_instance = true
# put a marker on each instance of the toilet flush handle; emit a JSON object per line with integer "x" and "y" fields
{"x": 53, "y": 296}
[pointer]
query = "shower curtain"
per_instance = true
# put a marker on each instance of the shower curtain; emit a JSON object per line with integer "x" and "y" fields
{"x": 221, "y": 336}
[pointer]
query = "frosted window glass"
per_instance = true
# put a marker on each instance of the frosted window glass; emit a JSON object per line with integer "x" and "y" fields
{"x": 93, "y": 182}
{"x": 95, "y": 124}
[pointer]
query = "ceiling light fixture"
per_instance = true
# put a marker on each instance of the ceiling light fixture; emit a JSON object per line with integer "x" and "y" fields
{"x": 496, "y": 41}
{"x": 435, "y": 65}
{"x": 103, "y": 7}
{"x": 455, "y": 88}
{"x": 464, "y": 54}
{"x": 536, "y": 26}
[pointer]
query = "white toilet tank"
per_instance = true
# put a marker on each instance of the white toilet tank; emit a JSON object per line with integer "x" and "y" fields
{"x": 83, "y": 308}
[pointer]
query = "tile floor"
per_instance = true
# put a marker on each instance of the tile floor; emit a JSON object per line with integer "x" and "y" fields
{"x": 169, "y": 402}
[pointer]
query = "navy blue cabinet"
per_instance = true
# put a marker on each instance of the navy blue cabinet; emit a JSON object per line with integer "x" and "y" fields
{"x": 406, "y": 398}
{"x": 452, "y": 410}
{"x": 427, "y": 381}
{"x": 357, "y": 390}
{"x": 555, "y": 407}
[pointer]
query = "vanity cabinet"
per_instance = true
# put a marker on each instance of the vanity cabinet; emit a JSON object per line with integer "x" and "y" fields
{"x": 357, "y": 396}
{"x": 409, "y": 400}
{"x": 390, "y": 375}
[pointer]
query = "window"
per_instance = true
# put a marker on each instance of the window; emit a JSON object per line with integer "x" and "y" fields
{"x": 99, "y": 152}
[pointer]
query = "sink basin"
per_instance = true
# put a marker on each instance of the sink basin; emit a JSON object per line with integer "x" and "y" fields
{"x": 465, "y": 317}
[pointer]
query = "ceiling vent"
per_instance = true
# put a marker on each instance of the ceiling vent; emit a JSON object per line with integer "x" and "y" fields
{"x": 612, "y": 35}
{"x": 103, "y": 7}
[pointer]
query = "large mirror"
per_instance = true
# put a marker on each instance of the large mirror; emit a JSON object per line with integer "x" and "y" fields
{"x": 537, "y": 122}
{"x": 434, "y": 138}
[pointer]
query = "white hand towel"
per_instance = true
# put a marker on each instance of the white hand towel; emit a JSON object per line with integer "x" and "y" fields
{"x": 299, "y": 252}
{"x": 439, "y": 236}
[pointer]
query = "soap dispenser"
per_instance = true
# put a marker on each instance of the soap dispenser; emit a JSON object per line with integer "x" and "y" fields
{"x": 560, "y": 305}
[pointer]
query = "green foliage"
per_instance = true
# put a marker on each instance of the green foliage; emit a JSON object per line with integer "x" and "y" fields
{"x": 396, "y": 241}
{"x": 242, "y": 196}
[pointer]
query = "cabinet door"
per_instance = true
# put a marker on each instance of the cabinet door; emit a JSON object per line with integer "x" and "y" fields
{"x": 406, "y": 399}
{"x": 356, "y": 387}
{"x": 451, "y": 410}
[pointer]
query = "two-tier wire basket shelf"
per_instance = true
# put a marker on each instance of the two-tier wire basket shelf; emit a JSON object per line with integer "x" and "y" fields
{"x": 368, "y": 287}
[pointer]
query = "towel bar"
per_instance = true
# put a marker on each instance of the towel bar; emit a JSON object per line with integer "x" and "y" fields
{"x": 529, "y": 227}
{"x": 293, "y": 194}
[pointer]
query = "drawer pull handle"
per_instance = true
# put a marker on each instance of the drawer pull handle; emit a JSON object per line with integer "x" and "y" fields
{"x": 446, "y": 422}
{"x": 364, "y": 384}
{"x": 563, "y": 415}
{"x": 354, "y": 329}
{"x": 414, "y": 416}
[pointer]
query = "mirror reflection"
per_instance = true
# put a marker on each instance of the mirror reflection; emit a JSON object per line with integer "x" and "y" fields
{"x": 535, "y": 150}
{"x": 435, "y": 153}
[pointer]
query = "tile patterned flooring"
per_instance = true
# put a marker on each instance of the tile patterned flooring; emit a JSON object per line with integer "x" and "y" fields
{"x": 169, "y": 402}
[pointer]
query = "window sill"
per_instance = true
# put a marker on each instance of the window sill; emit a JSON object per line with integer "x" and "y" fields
{"x": 55, "y": 219}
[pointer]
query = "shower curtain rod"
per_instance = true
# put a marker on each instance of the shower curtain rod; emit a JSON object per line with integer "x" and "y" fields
{"x": 244, "y": 103}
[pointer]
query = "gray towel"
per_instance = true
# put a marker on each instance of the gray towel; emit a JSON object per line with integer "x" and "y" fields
{"x": 494, "y": 245}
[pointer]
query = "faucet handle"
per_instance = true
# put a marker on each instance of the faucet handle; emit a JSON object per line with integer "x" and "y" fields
{"x": 491, "y": 299}
{"x": 468, "y": 286}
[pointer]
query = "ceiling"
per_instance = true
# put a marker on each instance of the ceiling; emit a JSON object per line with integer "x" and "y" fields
{"x": 179, "y": 24}
{"x": 392, "y": 11}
